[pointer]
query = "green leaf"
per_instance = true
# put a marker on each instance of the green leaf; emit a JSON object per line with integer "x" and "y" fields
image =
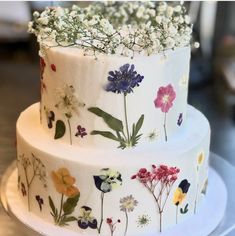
{"x": 105, "y": 134}
{"x": 60, "y": 129}
{"x": 112, "y": 122}
{"x": 70, "y": 204}
{"x": 139, "y": 124}
{"x": 185, "y": 210}
{"x": 52, "y": 206}
{"x": 70, "y": 219}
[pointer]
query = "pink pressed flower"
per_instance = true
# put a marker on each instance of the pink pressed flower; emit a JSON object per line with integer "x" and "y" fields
{"x": 165, "y": 97}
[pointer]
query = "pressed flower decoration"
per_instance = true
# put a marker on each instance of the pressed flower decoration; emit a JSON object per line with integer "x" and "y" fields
{"x": 68, "y": 104}
{"x": 107, "y": 181}
{"x": 153, "y": 135}
{"x": 64, "y": 184}
{"x": 53, "y": 67}
{"x": 86, "y": 220}
{"x": 204, "y": 189}
{"x": 143, "y": 221}
{"x": 50, "y": 116}
{"x": 81, "y": 131}
{"x": 158, "y": 182}
{"x": 33, "y": 169}
{"x": 164, "y": 101}
{"x": 112, "y": 225}
{"x": 180, "y": 119}
{"x": 127, "y": 205}
{"x": 125, "y": 28}
{"x": 39, "y": 201}
{"x": 200, "y": 160}
{"x": 180, "y": 194}
{"x": 123, "y": 82}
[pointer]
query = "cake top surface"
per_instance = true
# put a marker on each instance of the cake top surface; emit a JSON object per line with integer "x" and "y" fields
{"x": 121, "y": 28}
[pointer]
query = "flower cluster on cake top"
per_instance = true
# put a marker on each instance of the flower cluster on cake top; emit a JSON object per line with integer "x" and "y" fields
{"x": 123, "y": 28}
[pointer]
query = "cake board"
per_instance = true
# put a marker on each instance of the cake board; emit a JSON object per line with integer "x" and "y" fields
{"x": 193, "y": 226}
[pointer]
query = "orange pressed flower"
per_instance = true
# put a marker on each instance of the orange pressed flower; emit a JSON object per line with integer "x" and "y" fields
{"x": 64, "y": 182}
{"x": 179, "y": 196}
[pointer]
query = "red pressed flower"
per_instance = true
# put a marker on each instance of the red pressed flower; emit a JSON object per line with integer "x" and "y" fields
{"x": 42, "y": 67}
{"x": 53, "y": 67}
{"x": 109, "y": 221}
{"x": 133, "y": 176}
{"x": 165, "y": 97}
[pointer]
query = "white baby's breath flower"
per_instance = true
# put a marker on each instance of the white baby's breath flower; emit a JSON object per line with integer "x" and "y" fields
{"x": 36, "y": 14}
{"x": 169, "y": 11}
{"x": 162, "y": 7}
{"x": 43, "y": 20}
{"x": 158, "y": 19}
{"x": 140, "y": 12}
{"x": 170, "y": 42}
{"x": 178, "y": 8}
{"x": 187, "y": 19}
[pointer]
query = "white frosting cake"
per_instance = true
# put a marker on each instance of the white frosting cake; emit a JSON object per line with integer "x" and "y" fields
{"x": 112, "y": 148}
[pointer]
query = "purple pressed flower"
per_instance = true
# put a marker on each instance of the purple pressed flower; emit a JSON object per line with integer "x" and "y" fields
{"x": 81, "y": 131}
{"x": 124, "y": 80}
{"x": 40, "y": 201}
{"x": 180, "y": 119}
{"x": 23, "y": 189}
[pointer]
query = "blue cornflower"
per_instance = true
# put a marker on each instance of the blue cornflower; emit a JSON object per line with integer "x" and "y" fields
{"x": 124, "y": 80}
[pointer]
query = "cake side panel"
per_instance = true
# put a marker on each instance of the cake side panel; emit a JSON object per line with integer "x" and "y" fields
{"x": 81, "y": 92}
{"x": 116, "y": 192}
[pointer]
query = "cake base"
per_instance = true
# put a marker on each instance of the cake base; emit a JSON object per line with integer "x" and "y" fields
{"x": 194, "y": 226}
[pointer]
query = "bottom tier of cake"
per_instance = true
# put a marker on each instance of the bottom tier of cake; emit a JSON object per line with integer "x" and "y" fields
{"x": 121, "y": 192}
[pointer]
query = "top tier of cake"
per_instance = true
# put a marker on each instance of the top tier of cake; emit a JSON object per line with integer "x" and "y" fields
{"x": 113, "y": 101}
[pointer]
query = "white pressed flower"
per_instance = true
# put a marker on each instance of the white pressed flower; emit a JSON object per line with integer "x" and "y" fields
{"x": 73, "y": 13}
{"x": 151, "y": 12}
{"x": 169, "y": 11}
{"x": 181, "y": 19}
{"x": 67, "y": 102}
{"x": 59, "y": 11}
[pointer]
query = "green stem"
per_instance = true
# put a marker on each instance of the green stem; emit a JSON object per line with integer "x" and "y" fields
{"x": 61, "y": 206}
{"x": 126, "y": 223}
{"x": 126, "y": 122}
{"x": 177, "y": 214}
{"x": 102, "y": 212}
{"x": 165, "y": 127}
{"x": 70, "y": 134}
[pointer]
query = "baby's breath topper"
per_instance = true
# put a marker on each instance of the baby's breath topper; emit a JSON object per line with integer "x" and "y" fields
{"x": 123, "y": 28}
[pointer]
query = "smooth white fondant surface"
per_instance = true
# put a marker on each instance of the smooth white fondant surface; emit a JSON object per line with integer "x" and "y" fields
{"x": 88, "y": 76}
{"x": 83, "y": 163}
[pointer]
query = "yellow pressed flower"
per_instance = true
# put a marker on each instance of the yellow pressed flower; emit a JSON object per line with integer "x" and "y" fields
{"x": 64, "y": 182}
{"x": 179, "y": 196}
{"x": 200, "y": 158}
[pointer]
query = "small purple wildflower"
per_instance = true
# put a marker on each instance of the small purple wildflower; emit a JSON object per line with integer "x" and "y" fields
{"x": 180, "y": 119}
{"x": 124, "y": 80}
{"x": 40, "y": 201}
{"x": 23, "y": 189}
{"x": 81, "y": 131}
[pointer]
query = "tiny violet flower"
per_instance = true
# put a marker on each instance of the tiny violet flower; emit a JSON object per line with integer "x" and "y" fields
{"x": 180, "y": 119}
{"x": 112, "y": 224}
{"x": 23, "y": 190}
{"x": 40, "y": 201}
{"x": 81, "y": 131}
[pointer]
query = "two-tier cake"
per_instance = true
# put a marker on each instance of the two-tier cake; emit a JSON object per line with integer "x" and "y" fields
{"x": 113, "y": 148}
